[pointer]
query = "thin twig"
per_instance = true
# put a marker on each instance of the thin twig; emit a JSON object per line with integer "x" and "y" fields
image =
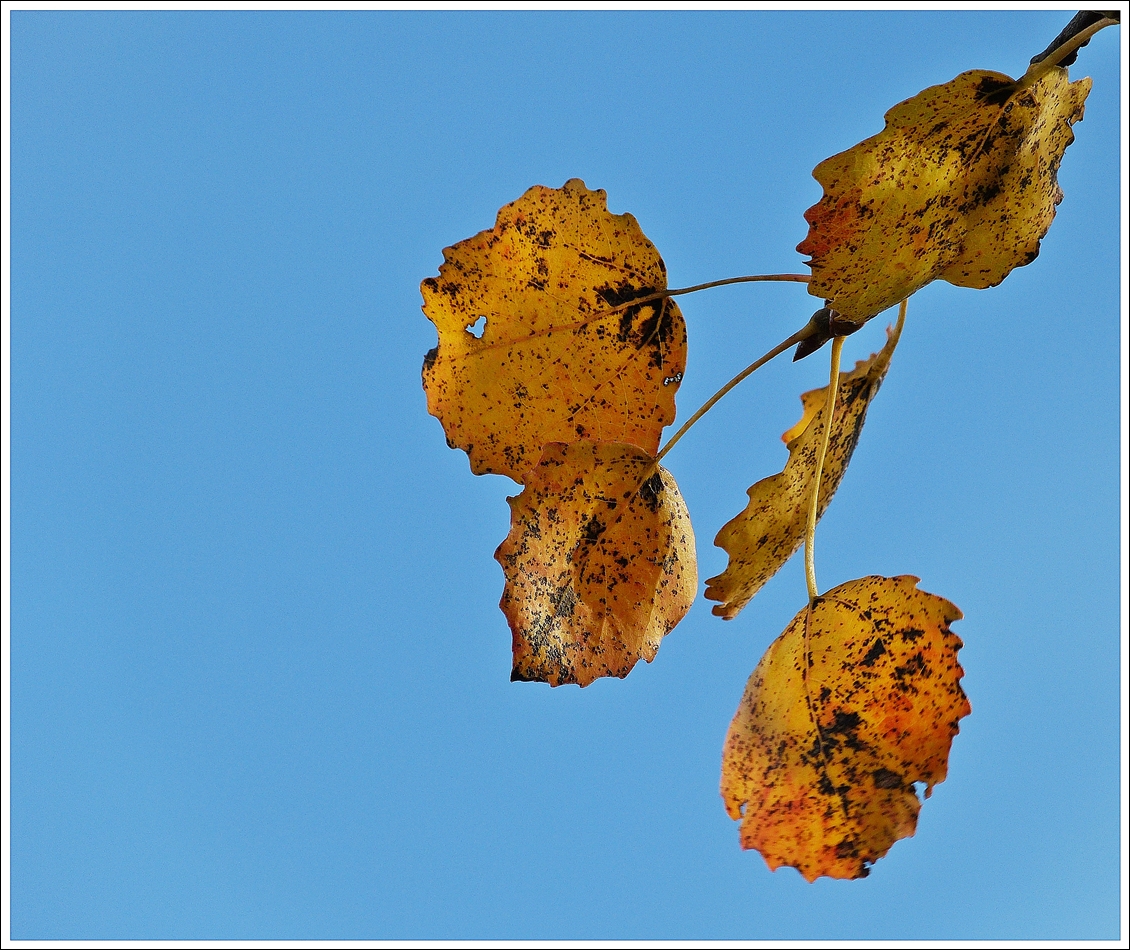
{"x": 802, "y": 334}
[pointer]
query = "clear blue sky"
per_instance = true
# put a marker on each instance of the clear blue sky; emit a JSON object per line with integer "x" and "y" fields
{"x": 259, "y": 675}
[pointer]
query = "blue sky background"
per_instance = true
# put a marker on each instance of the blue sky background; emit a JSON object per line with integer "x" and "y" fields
{"x": 259, "y": 675}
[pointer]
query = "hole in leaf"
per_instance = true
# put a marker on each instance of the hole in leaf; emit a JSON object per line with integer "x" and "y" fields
{"x": 476, "y": 329}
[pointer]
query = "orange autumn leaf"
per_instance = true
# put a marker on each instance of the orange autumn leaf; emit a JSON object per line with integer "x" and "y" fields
{"x": 960, "y": 184}
{"x": 599, "y": 563}
{"x": 771, "y": 528}
{"x": 560, "y": 357}
{"x": 855, "y": 702}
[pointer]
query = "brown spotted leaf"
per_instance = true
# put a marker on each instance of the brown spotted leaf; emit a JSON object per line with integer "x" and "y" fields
{"x": 560, "y": 358}
{"x": 961, "y": 184}
{"x": 771, "y": 529}
{"x": 856, "y": 701}
{"x": 599, "y": 563}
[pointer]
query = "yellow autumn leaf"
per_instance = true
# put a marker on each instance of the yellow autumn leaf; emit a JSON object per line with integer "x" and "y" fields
{"x": 855, "y": 702}
{"x": 771, "y": 528}
{"x": 599, "y": 563}
{"x": 960, "y": 184}
{"x": 560, "y": 357}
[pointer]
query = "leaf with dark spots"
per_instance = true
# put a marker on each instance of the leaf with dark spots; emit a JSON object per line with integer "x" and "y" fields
{"x": 599, "y": 528}
{"x": 885, "y": 778}
{"x": 915, "y": 668}
{"x": 627, "y": 321}
{"x": 820, "y": 760}
{"x": 652, "y": 330}
{"x": 651, "y": 492}
{"x": 876, "y": 651}
{"x": 994, "y": 90}
{"x": 560, "y": 358}
{"x": 563, "y": 602}
{"x": 592, "y": 529}
{"x": 771, "y": 528}
{"x": 624, "y": 293}
{"x": 960, "y": 185}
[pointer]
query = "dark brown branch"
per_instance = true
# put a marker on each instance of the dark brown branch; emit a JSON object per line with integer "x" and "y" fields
{"x": 1079, "y": 22}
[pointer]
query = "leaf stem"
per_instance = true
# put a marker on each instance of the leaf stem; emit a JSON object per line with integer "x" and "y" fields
{"x": 829, "y": 417}
{"x": 679, "y": 291}
{"x": 802, "y": 334}
{"x": 752, "y": 278}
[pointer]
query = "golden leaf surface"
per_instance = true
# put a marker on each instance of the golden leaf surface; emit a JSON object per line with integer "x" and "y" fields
{"x": 771, "y": 528}
{"x": 560, "y": 358}
{"x": 960, "y": 184}
{"x": 599, "y": 563}
{"x": 856, "y": 701}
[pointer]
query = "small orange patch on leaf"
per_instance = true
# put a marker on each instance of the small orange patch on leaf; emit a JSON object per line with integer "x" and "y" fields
{"x": 562, "y": 355}
{"x": 771, "y": 528}
{"x": 960, "y": 184}
{"x": 856, "y": 701}
{"x": 599, "y": 563}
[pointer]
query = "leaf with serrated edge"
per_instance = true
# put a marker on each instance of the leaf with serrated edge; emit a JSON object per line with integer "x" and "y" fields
{"x": 855, "y": 702}
{"x": 960, "y": 184}
{"x": 599, "y": 563}
{"x": 560, "y": 357}
{"x": 771, "y": 528}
